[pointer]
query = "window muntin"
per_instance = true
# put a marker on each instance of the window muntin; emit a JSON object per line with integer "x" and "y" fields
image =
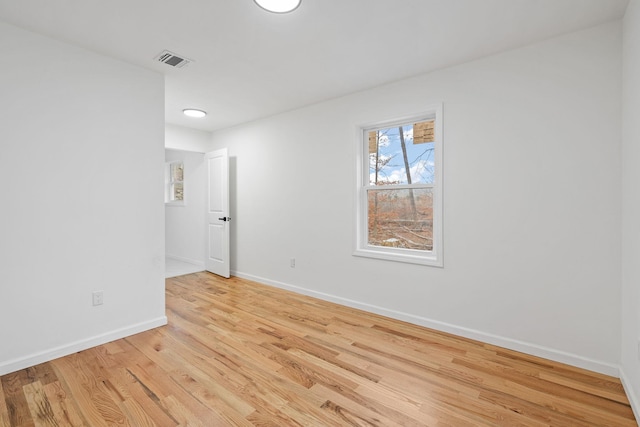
{"x": 399, "y": 204}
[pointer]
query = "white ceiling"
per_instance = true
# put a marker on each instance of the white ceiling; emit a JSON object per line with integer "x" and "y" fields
{"x": 250, "y": 64}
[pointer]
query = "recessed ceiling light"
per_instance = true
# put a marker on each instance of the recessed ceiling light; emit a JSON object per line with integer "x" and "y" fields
{"x": 194, "y": 113}
{"x": 278, "y": 6}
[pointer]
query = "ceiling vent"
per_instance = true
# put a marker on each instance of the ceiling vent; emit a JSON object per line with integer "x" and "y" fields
{"x": 172, "y": 59}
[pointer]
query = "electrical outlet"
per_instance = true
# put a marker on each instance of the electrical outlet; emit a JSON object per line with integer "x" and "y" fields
{"x": 293, "y": 263}
{"x": 98, "y": 297}
{"x": 638, "y": 348}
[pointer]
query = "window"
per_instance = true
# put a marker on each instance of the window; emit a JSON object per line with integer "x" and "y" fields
{"x": 399, "y": 212}
{"x": 174, "y": 183}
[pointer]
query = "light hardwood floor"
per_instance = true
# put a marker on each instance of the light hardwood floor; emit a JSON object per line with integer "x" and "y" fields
{"x": 239, "y": 353}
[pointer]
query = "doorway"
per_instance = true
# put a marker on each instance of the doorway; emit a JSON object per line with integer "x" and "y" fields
{"x": 185, "y": 233}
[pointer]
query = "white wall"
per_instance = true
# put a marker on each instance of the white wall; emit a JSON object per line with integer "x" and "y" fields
{"x": 181, "y": 138}
{"x": 82, "y": 198}
{"x": 532, "y": 200}
{"x": 185, "y": 225}
{"x": 631, "y": 206}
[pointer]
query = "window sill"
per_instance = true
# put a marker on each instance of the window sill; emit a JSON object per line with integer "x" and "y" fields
{"x": 406, "y": 256}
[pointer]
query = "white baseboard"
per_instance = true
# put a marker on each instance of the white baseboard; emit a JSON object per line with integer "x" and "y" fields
{"x": 633, "y": 399}
{"x": 509, "y": 343}
{"x": 187, "y": 260}
{"x": 65, "y": 350}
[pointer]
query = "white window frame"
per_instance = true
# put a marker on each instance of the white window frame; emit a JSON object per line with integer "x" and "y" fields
{"x": 168, "y": 184}
{"x": 413, "y": 256}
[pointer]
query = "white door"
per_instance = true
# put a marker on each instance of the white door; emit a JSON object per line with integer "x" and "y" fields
{"x": 218, "y": 217}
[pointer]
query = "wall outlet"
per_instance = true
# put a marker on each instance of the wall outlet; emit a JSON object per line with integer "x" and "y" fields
{"x": 293, "y": 263}
{"x": 98, "y": 297}
{"x": 638, "y": 348}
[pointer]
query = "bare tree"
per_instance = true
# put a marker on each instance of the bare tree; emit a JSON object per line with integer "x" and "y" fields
{"x": 408, "y": 169}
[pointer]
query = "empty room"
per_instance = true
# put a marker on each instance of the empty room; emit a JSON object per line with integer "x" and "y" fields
{"x": 320, "y": 213}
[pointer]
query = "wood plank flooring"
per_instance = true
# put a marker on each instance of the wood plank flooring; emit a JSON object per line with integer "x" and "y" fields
{"x": 236, "y": 353}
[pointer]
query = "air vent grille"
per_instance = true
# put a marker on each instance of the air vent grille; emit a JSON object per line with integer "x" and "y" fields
{"x": 172, "y": 59}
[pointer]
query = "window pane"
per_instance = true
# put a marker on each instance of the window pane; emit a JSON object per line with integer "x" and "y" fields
{"x": 401, "y": 218}
{"x": 177, "y": 191}
{"x": 177, "y": 172}
{"x": 402, "y": 154}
